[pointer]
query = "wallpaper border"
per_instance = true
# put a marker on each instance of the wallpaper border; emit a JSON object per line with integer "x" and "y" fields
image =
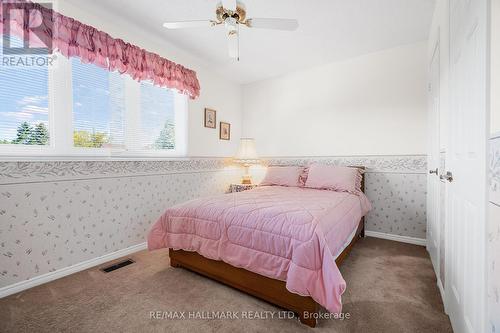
{"x": 19, "y": 172}
{"x": 385, "y": 164}
{"x": 39, "y": 171}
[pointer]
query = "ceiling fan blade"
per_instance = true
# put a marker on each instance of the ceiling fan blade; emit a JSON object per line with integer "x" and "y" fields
{"x": 229, "y": 4}
{"x": 189, "y": 24}
{"x": 273, "y": 23}
{"x": 234, "y": 45}
{"x": 241, "y": 5}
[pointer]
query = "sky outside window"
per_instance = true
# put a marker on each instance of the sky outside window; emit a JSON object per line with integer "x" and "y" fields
{"x": 23, "y": 100}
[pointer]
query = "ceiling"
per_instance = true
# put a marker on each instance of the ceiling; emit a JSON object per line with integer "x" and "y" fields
{"x": 329, "y": 30}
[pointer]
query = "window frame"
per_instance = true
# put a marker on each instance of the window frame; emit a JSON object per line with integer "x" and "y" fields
{"x": 60, "y": 147}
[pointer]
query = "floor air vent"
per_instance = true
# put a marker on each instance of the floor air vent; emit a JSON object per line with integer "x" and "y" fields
{"x": 117, "y": 266}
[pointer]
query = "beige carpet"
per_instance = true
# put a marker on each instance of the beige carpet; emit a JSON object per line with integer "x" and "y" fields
{"x": 391, "y": 287}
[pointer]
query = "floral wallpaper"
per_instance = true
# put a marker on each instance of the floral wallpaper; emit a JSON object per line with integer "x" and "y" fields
{"x": 399, "y": 204}
{"x": 494, "y": 173}
{"x": 493, "y": 249}
{"x": 47, "y": 226}
{"x": 57, "y": 214}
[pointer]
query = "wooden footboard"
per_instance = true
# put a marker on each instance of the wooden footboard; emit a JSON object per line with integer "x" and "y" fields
{"x": 271, "y": 290}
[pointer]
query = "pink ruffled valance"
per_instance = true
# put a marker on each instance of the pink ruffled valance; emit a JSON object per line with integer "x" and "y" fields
{"x": 74, "y": 39}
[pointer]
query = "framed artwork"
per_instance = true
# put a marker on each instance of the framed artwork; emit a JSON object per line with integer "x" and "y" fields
{"x": 225, "y": 131}
{"x": 210, "y": 118}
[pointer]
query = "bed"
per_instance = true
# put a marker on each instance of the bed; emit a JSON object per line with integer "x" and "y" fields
{"x": 281, "y": 244}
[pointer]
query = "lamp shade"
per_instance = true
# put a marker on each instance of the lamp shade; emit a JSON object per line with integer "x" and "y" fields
{"x": 246, "y": 151}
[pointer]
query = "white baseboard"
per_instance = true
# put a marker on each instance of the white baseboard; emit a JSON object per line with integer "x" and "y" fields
{"x": 397, "y": 238}
{"x": 51, "y": 276}
{"x": 441, "y": 291}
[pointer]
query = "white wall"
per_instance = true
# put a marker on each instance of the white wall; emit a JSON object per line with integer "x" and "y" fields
{"x": 440, "y": 35}
{"x": 374, "y": 104}
{"x": 495, "y": 67}
{"x": 216, "y": 92}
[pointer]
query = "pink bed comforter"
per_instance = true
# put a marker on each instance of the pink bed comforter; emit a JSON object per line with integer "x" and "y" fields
{"x": 288, "y": 233}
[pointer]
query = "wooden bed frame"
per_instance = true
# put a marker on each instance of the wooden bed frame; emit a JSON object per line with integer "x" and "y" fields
{"x": 271, "y": 290}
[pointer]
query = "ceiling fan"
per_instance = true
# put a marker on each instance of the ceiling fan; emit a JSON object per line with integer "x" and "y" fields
{"x": 232, "y": 13}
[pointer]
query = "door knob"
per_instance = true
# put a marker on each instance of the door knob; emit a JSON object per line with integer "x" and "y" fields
{"x": 434, "y": 171}
{"x": 448, "y": 176}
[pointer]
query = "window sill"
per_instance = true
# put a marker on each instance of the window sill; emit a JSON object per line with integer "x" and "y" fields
{"x": 13, "y": 153}
{"x": 20, "y": 157}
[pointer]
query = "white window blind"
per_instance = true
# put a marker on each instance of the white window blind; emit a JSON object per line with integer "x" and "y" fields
{"x": 157, "y": 114}
{"x": 98, "y": 107}
{"x": 24, "y": 104}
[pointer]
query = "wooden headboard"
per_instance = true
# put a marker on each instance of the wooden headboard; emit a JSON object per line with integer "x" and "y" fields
{"x": 362, "y": 176}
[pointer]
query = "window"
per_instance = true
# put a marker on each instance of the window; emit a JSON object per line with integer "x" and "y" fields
{"x": 76, "y": 109}
{"x": 24, "y": 105}
{"x": 157, "y": 118}
{"x": 98, "y": 107}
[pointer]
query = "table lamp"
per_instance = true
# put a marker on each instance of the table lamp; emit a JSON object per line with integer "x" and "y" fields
{"x": 246, "y": 155}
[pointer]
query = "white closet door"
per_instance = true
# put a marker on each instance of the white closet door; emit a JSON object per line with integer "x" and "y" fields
{"x": 465, "y": 255}
{"x": 433, "y": 183}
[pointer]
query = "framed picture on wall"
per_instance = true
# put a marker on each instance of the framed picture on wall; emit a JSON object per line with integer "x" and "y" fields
{"x": 225, "y": 131}
{"x": 210, "y": 118}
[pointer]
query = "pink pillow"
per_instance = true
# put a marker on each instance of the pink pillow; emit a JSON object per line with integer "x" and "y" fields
{"x": 329, "y": 177}
{"x": 283, "y": 176}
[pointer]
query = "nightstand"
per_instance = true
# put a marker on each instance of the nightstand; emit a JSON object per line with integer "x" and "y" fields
{"x": 240, "y": 187}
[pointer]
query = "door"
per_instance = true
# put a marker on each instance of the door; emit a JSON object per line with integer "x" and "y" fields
{"x": 442, "y": 225}
{"x": 433, "y": 183}
{"x": 466, "y": 160}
